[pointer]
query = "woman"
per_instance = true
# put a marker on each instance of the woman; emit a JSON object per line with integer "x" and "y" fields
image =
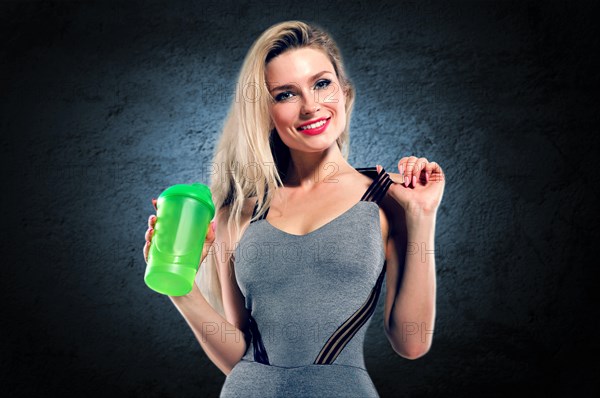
{"x": 301, "y": 241}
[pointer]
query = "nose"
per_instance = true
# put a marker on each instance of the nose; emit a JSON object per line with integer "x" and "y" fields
{"x": 309, "y": 105}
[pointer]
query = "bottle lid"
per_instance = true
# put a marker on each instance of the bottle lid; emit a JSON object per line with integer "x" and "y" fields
{"x": 196, "y": 190}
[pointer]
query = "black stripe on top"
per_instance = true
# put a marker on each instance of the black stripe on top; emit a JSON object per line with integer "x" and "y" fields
{"x": 379, "y": 186}
{"x": 260, "y": 353}
{"x": 345, "y": 332}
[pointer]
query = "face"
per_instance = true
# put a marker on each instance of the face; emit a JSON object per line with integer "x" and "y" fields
{"x": 305, "y": 89}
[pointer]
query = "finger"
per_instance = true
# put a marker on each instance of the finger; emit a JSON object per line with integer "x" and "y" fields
{"x": 210, "y": 234}
{"x": 408, "y": 173}
{"x": 429, "y": 168}
{"x": 210, "y": 238}
{"x": 402, "y": 166}
{"x": 145, "y": 250}
{"x": 402, "y": 169}
{"x": 151, "y": 221}
{"x": 149, "y": 234}
{"x": 437, "y": 174}
{"x": 154, "y": 204}
{"x": 418, "y": 170}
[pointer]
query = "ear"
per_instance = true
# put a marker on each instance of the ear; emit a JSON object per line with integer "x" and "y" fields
{"x": 346, "y": 92}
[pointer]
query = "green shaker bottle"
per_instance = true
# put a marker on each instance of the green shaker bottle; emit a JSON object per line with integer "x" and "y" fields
{"x": 183, "y": 213}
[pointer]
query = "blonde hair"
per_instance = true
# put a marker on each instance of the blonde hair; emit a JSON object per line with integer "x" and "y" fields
{"x": 250, "y": 146}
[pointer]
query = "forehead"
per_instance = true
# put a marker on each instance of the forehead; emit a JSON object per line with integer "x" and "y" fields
{"x": 297, "y": 65}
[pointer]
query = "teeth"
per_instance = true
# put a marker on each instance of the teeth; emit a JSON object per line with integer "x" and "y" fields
{"x": 314, "y": 125}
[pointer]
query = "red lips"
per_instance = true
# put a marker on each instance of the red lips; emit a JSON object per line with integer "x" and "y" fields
{"x": 317, "y": 130}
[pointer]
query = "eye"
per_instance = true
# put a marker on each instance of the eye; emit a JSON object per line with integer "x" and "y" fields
{"x": 325, "y": 82}
{"x": 283, "y": 96}
{"x": 286, "y": 95}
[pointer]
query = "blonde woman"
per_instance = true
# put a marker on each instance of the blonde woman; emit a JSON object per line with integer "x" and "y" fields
{"x": 294, "y": 261}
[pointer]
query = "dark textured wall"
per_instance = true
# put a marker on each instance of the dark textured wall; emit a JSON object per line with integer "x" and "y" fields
{"x": 104, "y": 104}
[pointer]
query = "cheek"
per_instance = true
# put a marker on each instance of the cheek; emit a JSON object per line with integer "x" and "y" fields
{"x": 283, "y": 115}
{"x": 335, "y": 99}
{"x": 339, "y": 103}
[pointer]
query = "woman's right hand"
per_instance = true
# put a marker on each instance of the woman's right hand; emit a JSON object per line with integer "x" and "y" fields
{"x": 210, "y": 236}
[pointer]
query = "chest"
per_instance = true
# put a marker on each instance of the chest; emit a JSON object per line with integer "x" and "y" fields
{"x": 298, "y": 215}
{"x": 345, "y": 254}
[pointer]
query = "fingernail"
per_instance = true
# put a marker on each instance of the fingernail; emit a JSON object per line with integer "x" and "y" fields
{"x": 406, "y": 180}
{"x": 427, "y": 176}
{"x": 414, "y": 181}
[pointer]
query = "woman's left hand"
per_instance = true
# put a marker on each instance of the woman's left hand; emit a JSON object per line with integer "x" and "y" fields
{"x": 418, "y": 187}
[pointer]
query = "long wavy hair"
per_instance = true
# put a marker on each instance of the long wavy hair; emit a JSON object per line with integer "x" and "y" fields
{"x": 250, "y": 157}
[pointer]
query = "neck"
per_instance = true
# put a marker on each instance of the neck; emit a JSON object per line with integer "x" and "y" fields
{"x": 307, "y": 170}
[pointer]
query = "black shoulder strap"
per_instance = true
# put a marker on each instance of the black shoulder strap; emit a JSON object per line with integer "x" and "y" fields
{"x": 379, "y": 186}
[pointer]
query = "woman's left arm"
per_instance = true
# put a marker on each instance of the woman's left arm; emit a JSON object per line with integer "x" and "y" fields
{"x": 409, "y": 312}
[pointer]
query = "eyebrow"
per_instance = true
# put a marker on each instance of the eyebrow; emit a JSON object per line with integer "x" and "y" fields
{"x": 290, "y": 86}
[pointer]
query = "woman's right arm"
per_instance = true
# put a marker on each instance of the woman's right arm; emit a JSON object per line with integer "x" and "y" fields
{"x": 222, "y": 341}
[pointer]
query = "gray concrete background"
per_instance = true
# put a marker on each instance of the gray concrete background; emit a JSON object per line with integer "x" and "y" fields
{"x": 104, "y": 104}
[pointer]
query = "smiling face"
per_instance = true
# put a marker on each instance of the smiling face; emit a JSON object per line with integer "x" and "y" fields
{"x": 305, "y": 89}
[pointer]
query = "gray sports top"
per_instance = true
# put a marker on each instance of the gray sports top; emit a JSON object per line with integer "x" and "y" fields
{"x": 311, "y": 298}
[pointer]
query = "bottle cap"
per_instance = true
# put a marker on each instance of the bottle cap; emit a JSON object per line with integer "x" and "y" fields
{"x": 195, "y": 190}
